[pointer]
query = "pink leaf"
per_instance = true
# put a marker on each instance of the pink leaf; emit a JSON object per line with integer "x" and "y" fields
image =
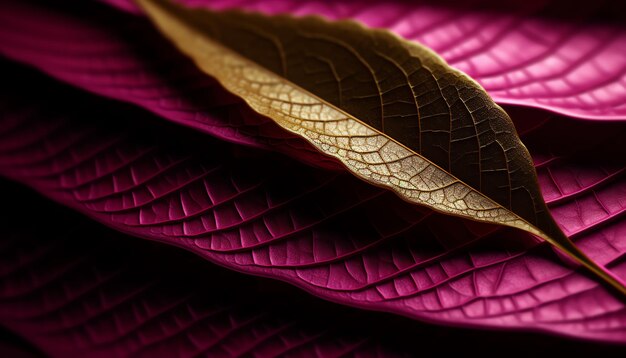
{"x": 521, "y": 57}
{"x": 122, "y": 57}
{"x": 125, "y": 59}
{"x": 329, "y": 233}
{"x": 73, "y": 289}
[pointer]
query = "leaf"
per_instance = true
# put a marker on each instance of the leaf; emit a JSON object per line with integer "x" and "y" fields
{"x": 330, "y": 234}
{"x": 121, "y": 65}
{"x": 574, "y": 67}
{"x": 126, "y": 60}
{"x": 395, "y": 114}
{"x": 188, "y": 306}
{"x": 292, "y": 147}
{"x": 74, "y": 297}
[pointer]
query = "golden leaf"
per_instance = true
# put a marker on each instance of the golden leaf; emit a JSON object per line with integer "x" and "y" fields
{"x": 393, "y": 112}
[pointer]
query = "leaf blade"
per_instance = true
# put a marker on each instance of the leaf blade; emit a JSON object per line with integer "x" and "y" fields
{"x": 229, "y": 47}
{"x": 224, "y": 64}
{"x": 338, "y": 238}
{"x": 226, "y": 313}
{"x": 479, "y": 42}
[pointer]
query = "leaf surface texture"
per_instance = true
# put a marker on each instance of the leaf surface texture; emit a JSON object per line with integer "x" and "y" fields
{"x": 360, "y": 246}
{"x": 569, "y": 63}
{"x": 392, "y": 111}
{"x": 71, "y": 287}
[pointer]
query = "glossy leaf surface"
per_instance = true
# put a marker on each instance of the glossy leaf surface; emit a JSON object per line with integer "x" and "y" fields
{"x": 332, "y": 235}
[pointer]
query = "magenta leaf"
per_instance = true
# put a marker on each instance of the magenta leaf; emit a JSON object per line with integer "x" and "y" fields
{"x": 120, "y": 57}
{"x": 69, "y": 287}
{"x": 328, "y": 233}
{"x": 73, "y": 289}
{"x": 573, "y": 67}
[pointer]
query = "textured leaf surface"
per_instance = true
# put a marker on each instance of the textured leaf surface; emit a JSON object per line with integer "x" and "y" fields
{"x": 71, "y": 287}
{"x": 391, "y": 111}
{"x": 122, "y": 58}
{"x": 332, "y": 235}
{"x": 572, "y": 67}
{"x": 394, "y": 113}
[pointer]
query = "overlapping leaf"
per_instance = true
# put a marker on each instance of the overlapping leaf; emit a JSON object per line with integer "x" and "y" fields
{"x": 71, "y": 288}
{"x": 332, "y": 235}
{"x": 121, "y": 57}
{"x": 102, "y": 299}
{"x": 390, "y": 110}
{"x": 289, "y": 145}
{"x": 574, "y": 67}
{"x": 585, "y": 194}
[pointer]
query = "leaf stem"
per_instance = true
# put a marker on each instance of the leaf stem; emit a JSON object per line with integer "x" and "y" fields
{"x": 564, "y": 244}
